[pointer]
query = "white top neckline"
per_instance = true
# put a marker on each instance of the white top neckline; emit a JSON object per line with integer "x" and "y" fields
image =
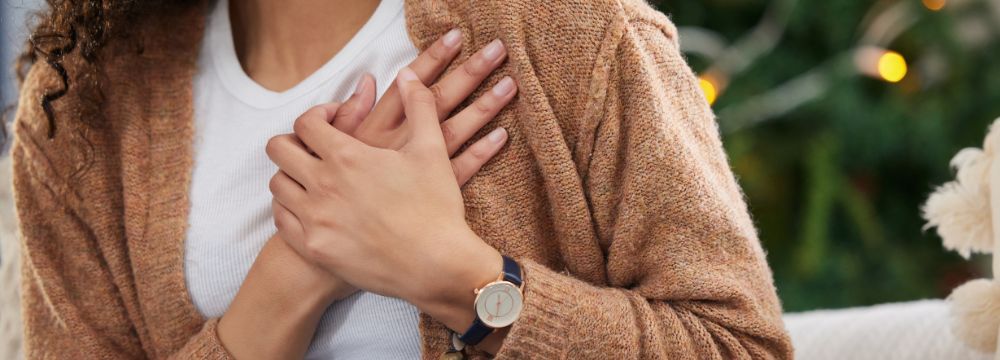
{"x": 230, "y": 216}
{"x": 237, "y": 82}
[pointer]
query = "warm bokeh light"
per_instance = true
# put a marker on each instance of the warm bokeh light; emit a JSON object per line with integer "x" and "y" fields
{"x": 708, "y": 88}
{"x": 892, "y": 66}
{"x": 935, "y": 5}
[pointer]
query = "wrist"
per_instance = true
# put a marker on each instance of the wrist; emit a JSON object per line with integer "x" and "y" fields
{"x": 448, "y": 294}
{"x": 274, "y": 302}
{"x": 310, "y": 287}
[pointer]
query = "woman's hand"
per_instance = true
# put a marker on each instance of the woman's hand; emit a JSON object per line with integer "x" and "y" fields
{"x": 284, "y": 293}
{"x": 381, "y": 126}
{"x": 373, "y": 126}
{"x": 390, "y": 221}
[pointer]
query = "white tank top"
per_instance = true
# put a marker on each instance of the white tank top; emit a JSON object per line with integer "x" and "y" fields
{"x": 230, "y": 218}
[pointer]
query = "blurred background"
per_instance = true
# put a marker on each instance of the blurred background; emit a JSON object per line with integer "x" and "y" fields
{"x": 839, "y": 117}
{"x": 13, "y": 14}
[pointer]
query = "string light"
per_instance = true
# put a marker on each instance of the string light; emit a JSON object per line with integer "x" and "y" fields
{"x": 892, "y": 66}
{"x": 708, "y": 87}
{"x": 870, "y": 58}
{"x": 880, "y": 63}
{"x": 934, "y": 5}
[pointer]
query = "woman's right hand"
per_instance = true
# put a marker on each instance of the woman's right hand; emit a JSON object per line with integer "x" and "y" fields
{"x": 280, "y": 278}
{"x": 379, "y": 125}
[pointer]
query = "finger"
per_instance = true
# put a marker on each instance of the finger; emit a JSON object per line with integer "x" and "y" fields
{"x": 288, "y": 192}
{"x": 421, "y": 115}
{"x": 457, "y": 85}
{"x": 289, "y": 226}
{"x": 317, "y": 134}
{"x": 461, "y": 127}
{"x": 357, "y": 107}
{"x": 472, "y": 159}
{"x": 332, "y": 109}
{"x": 291, "y": 157}
{"x": 428, "y": 66}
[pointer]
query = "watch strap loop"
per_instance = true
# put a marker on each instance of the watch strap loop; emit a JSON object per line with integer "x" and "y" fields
{"x": 476, "y": 332}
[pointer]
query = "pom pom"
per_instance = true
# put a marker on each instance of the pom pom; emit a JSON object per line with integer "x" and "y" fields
{"x": 975, "y": 311}
{"x": 961, "y": 209}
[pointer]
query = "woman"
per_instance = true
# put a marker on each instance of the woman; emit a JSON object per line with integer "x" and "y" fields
{"x": 608, "y": 227}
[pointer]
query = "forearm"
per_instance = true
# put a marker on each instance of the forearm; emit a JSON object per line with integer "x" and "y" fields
{"x": 276, "y": 311}
{"x": 727, "y": 319}
{"x": 733, "y": 313}
{"x": 625, "y": 323}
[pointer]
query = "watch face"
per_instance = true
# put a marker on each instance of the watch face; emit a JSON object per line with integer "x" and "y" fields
{"x": 499, "y": 304}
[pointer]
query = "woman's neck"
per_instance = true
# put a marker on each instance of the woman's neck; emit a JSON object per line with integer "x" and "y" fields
{"x": 280, "y": 43}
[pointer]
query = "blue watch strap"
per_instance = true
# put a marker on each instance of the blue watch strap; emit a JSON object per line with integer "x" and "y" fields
{"x": 512, "y": 271}
{"x": 478, "y": 330}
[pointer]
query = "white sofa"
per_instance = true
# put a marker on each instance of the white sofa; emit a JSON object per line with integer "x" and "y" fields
{"x": 905, "y": 331}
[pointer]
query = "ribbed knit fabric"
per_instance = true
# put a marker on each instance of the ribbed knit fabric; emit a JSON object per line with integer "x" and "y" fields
{"x": 230, "y": 217}
{"x": 613, "y": 192}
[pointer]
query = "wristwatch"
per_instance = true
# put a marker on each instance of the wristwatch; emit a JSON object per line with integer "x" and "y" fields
{"x": 498, "y": 304}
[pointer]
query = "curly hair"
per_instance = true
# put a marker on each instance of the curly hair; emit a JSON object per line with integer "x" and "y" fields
{"x": 78, "y": 28}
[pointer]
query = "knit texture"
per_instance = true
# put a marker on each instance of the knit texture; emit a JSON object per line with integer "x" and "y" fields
{"x": 613, "y": 192}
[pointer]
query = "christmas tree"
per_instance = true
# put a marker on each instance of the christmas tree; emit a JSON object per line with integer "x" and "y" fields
{"x": 839, "y": 118}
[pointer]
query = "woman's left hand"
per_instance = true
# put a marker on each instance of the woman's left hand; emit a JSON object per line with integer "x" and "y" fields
{"x": 387, "y": 221}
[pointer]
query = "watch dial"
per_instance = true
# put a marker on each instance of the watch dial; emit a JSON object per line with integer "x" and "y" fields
{"x": 499, "y": 304}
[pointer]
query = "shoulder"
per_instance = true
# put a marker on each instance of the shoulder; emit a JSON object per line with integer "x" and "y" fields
{"x": 48, "y": 109}
{"x": 584, "y": 25}
{"x": 130, "y": 64}
{"x": 571, "y": 46}
{"x": 29, "y": 121}
{"x": 572, "y": 20}
{"x": 43, "y": 150}
{"x": 561, "y": 51}
{"x": 569, "y": 42}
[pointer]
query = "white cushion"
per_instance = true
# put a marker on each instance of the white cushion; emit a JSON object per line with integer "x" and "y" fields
{"x": 910, "y": 330}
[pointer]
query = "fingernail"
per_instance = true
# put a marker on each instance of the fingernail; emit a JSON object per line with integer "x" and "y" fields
{"x": 452, "y": 38}
{"x": 405, "y": 74}
{"x": 493, "y": 50}
{"x": 362, "y": 84}
{"x": 504, "y": 87}
{"x": 497, "y": 135}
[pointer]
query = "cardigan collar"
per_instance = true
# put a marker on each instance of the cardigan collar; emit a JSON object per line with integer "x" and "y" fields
{"x": 153, "y": 90}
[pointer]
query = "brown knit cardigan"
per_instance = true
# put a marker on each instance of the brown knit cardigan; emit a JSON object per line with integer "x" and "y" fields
{"x": 614, "y": 193}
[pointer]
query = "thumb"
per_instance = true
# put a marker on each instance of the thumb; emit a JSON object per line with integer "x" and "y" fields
{"x": 357, "y": 107}
{"x": 420, "y": 107}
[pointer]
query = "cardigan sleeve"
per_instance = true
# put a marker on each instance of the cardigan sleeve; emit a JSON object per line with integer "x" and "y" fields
{"x": 687, "y": 276}
{"x": 72, "y": 302}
